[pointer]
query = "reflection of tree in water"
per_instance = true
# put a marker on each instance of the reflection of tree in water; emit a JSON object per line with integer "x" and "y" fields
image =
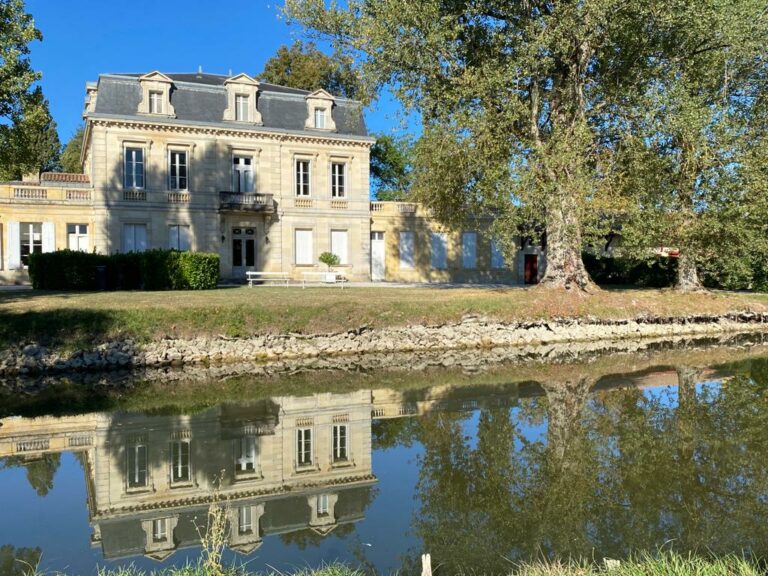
{"x": 19, "y": 561}
{"x": 620, "y": 470}
{"x": 40, "y": 470}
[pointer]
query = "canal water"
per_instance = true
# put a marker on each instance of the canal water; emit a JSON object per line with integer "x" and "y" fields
{"x": 590, "y": 460}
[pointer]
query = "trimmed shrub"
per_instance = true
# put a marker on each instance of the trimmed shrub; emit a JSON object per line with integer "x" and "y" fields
{"x": 150, "y": 270}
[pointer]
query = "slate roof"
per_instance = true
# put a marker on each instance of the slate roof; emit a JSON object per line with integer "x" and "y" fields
{"x": 202, "y": 98}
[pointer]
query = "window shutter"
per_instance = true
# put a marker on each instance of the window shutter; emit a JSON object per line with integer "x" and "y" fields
{"x": 469, "y": 249}
{"x": 173, "y": 237}
{"x": 141, "y": 237}
{"x": 304, "y": 247}
{"x": 497, "y": 258}
{"x": 128, "y": 238}
{"x": 339, "y": 245}
{"x": 184, "y": 238}
{"x": 49, "y": 237}
{"x": 14, "y": 246}
{"x": 406, "y": 250}
{"x": 439, "y": 255}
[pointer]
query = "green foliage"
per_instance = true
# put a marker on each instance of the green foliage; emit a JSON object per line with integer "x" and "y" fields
{"x": 149, "y": 270}
{"x": 31, "y": 143}
{"x": 391, "y": 167}
{"x": 329, "y": 259}
{"x": 306, "y": 67}
{"x": 40, "y": 471}
{"x": 70, "y": 157}
{"x": 16, "y": 74}
{"x": 654, "y": 273}
{"x": 19, "y": 561}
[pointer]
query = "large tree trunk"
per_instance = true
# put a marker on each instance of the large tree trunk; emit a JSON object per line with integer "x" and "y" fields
{"x": 687, "y": 275}
{"x": 565, "y": 268}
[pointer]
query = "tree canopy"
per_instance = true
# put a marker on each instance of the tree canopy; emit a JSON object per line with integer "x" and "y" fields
{"x": 524, "y": 103}
{"x": 16, "y": 74}
{"x": 70, "y": 156}
{"x": 391, "y": 166}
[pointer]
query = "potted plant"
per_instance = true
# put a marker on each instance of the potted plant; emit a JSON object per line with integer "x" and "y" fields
{"x": 330, "y": 259}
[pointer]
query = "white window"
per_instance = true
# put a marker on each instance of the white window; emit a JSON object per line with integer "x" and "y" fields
{"x": 338, "y": 180}
{"x": 137, "y": 466}
{"x": 407, "y": 259}
{"x": 439, "y": 251}
{"x": 31, "y": 240}
{"x": 302, "y": 177}
{"x": 469, "y": 250}
{"x": 245, "y": 455}
{"x": 322, "y": 505}
{"x": 155, "y": 102}
{"x": 245, "y": 520}
{"x": 77, "y": 237}
{"x": 134, "y": 237}
{"x": 134, "y": 168}
{"x": 304, "y": 447}
{"x": 179, "y": 238}
{"x": 160, "y": 530}
{"x": 242, "y": 174}
{"x": 320, "y": 118}
{"x": 180, "y": 462}
{"x": 177, "y": 170}
{"x": 340, "y": 440}
{"x": 339, "y": 245}
{"x": 304, "y": 254}
{"x": 241, "y": 108}
{"x": 497, "y": 257}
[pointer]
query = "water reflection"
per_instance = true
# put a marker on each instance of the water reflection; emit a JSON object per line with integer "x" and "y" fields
{"x": 580, "y": 465}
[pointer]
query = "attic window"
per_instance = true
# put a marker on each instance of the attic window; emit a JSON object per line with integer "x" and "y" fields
{"x": 320, "y": 118}
{"x": 155, "y": 102}
{"x": 241, "y": 108}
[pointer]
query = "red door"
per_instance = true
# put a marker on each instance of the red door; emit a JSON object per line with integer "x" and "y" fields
{"x": 531, "y": 275}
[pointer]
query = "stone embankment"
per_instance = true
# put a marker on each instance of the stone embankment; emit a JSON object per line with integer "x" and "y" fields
{"x": 471, "y": 333}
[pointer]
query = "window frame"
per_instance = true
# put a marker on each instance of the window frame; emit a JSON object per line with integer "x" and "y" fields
{"x": 305, "y": 457}
{"x": 32, "y": 245}
{"x": 136, "y": 469}
{"x": 178, "y": 165}
{"x": 338, "y": 180}
{"x": 310, "y": 252}
{"x": 156, "y": 98}
{"x": 239, "y": 169}
{"x": 135, "y": 225}
{"x": 302, "y": 180}
{"x": 180, "y": 464}
{"x": 343, "y": 259}
{"x": 336, "y": 439}
{"x": 464, "y": 255}
{"x": 244, "y": 520}
{"x": 133, "y": 149}
{"x": 187, "y": 236}
{"x": 320, "y": 113}
{"x": 443, "y": 238}
{"x": 78, "y": 234}
{"x": 242, "y": 108}
{"x": 246, "y": 452}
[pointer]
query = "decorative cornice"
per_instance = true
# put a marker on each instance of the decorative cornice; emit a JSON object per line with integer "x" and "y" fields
{"x": 232, "y": 132}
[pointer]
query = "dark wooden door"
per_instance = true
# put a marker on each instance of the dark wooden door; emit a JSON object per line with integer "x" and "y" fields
{"x": 531, "y": 275}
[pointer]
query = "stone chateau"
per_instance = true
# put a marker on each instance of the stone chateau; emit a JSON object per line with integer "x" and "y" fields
{"x": 268, "y": 177}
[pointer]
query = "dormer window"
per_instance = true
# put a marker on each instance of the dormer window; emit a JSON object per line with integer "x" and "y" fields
{"x": 155, "y": 102}
{"x": 320, "y": 118}
{"x": 241, "y": 108}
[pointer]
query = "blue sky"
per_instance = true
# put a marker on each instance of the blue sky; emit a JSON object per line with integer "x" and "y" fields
{"x": 83, "y": 38}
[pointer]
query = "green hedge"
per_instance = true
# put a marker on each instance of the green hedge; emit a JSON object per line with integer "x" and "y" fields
{"x": 150, "y": 270}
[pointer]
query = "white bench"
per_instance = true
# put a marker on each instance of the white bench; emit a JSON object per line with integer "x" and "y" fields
{"x": 324, "y": 277}
{"x": 267, "y": 277}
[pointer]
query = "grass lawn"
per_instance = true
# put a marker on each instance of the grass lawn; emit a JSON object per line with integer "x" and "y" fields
{"x": 77, "y": 319}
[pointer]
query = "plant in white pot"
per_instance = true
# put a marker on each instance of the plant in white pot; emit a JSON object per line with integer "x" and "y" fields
{"x": 330, "y": 259}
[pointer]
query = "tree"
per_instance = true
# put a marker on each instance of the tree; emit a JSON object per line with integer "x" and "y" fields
{"x": 519, "y": 99}
{"x": 70, "y": 157}
{"x": 306, "y": 67}
{"x": 391, "y": 165}
{"x": 16, "y": 74}
{"x": 31, "y": 144}
{"x": 40, "y": 471}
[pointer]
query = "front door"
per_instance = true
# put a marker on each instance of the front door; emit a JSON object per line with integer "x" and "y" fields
{"x": 243, "y": 251}
{"x": 377, "y": 256}
{"x": 531, "y": 269}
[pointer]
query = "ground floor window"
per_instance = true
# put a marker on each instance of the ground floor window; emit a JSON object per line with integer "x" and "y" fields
{"x": 304, "y": 446}
{"x": 497, "y": 258}
{"x": 439, "y": 251}
{"x": 137, "y": 466}
{"x": 469, "y": 250}
{"x": 134, "y": 237}
{"x": 77, "y": 237}
{"x": 179, "y": 238}
{"x": 339, "y": 246}
{"x": 340, "y": 439}
{"x": 180, "y": 462}
{"x": 407, "y": 256}
{"x": 31, "y": 234}
{"x": 303, "y": 249}
{"x": 245, "y": 455}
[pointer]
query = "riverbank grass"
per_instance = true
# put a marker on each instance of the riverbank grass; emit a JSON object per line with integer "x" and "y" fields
{"x": 72, "y": 320}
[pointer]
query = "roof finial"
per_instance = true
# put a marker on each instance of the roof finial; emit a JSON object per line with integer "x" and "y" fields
{"x": 200, "y": 70}
{"x": 230, "y": 73}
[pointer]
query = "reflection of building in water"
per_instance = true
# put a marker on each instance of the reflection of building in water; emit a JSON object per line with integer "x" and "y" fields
{"x": 280, "y": 465}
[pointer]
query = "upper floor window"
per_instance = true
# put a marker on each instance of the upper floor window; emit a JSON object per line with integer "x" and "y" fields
{"x": 320, "y": 118}
{"x": 245, "y": 520}
{"x": 340, "y": 436}
{"x": 155, "y": 102}
{"x": 180, "y": 462}
{"x": 134, "y": 168}
{"x": 338, "y": 180}
{"x": 137, "y": 466}
{"x": 304, "y": 446}
{"x": 322, "y": 505}
{"x": 302, "y": 177}
{"x": 242, "y": 174}
{"x": 160, "y": 530}
{"x": 241, "y": 108}
{"x": 245, "y": 455}
{"x": 177, "y": 170}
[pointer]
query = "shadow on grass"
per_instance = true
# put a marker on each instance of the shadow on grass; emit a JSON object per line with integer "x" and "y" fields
{"x": 60, "y": 327}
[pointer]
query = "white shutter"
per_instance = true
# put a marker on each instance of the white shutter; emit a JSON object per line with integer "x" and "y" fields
{"x": 497, "y": 258}
{"x": 339, "y": 245}
{"x": 469, "y": 250}
{"x": 128, "y": 244}
{"x": 439, "y": 254}
{"x": 185, "y": 242}
{"x": 49, "y": 237}
{"x": 304, "y": 247}
{"x": 141, "y": 237}
{"x": 406, "y": 250}
{"x": 173, "y": 237}
{"x": 14, "y": 246}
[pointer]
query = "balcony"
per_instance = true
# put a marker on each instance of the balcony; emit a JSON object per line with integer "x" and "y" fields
{"x": 33, "y": 193}
{"x": 254, "y": 202}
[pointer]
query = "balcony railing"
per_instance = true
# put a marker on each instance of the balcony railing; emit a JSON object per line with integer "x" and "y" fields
{"x": 255, "y": 202}
{"x": 35, "y": 194}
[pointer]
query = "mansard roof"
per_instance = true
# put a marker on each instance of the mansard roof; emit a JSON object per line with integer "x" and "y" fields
{"x": 202, "y": 98}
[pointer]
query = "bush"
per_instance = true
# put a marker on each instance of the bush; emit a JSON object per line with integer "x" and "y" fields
{"x": 150, "y": 270}
{"x": 656, "y": 273}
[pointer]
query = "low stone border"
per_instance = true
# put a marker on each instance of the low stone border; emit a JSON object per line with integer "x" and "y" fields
{"x": 472, "y": 332}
